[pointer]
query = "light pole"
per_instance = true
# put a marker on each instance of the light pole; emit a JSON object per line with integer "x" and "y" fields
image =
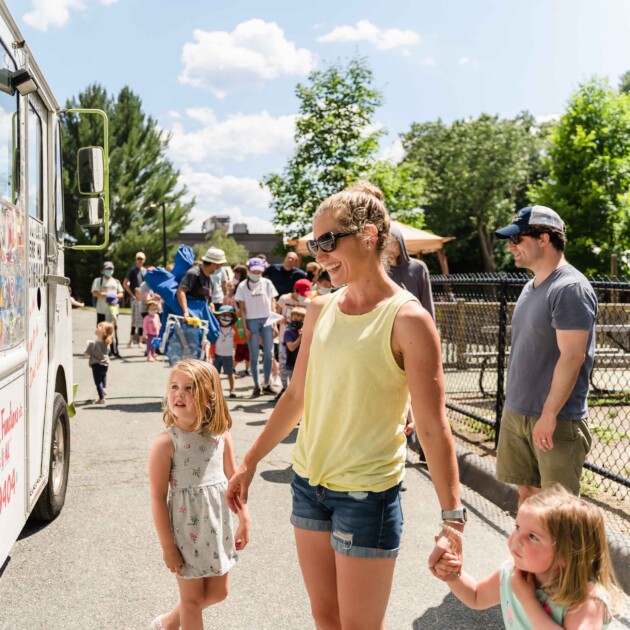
{"x": 163, "y": 206}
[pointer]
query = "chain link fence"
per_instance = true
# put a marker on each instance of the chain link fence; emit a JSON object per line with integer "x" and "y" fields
{"x": 473, "y": 314}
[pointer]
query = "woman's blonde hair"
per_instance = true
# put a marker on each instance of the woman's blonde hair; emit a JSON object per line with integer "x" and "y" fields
{"x": 357, "y": 206}
{"x": 581, "y": 553}
{"x": 107, "y": 329}
{"x": 213, "y": 415}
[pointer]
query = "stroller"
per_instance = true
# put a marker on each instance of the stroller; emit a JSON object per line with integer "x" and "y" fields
{"x": 185, "y": 340}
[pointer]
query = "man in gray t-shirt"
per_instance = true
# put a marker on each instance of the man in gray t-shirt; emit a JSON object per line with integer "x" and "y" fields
{"x": 544, "y": 437}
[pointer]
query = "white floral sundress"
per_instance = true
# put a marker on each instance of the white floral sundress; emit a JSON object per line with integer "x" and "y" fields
{"x": 200, "y": 518}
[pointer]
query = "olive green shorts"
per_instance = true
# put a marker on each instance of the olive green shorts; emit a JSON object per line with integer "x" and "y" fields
{"x": 521, "y": 463}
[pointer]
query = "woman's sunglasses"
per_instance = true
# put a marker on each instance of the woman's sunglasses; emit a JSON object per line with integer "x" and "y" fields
{"x": 326, "y": 242}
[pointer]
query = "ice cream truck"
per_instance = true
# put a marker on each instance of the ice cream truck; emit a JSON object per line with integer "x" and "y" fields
{"x": 35, "y": 313}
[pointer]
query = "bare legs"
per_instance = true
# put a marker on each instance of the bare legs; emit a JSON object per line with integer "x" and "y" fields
{"x": 346, "y": 593}
{"x": 195, "y": 595}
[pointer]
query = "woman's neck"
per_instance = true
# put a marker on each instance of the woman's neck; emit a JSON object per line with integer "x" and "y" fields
{"x": 367, "y": 290}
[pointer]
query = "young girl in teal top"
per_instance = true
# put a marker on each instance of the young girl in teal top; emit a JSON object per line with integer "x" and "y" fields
{"x": 560, "y": 576}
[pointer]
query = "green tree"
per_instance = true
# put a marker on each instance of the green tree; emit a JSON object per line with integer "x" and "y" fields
{"x": 589, "y": 180}
{"x": 234, "y": 252}
{"x": 140, "y": 175}
{"x": 624, "y": 83}
{"x": 336, "y": 142}
{"x": 474, "y": 173}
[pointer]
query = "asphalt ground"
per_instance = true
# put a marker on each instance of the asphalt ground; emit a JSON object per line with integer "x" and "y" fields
{"x": 99, "y": 564}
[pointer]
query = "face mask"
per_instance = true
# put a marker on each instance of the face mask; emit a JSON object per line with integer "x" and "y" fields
{"x": 254, "y": 277}
{"x": 225, "y": 321}
{"x": 296, "y": 325}
{"x": 323, "y": 290}
{"x": 108, "y": 272}
{"x": 301, "y": 298}
{"x": 152, "y": 312}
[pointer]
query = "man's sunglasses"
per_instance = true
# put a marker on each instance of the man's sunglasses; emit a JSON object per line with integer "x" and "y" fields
{"x": 517, "y": 238}
{"x": 326, "y": 242}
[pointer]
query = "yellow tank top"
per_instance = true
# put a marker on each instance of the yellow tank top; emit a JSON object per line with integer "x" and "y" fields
{"x": 355, "y": 401}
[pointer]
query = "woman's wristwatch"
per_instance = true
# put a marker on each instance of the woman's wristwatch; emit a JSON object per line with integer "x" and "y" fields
{"x": 459, "y": 515}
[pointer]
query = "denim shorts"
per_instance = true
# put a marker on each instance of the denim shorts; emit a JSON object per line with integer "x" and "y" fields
{"x": 227, "y": 363}
{"x": 361, "y": 524}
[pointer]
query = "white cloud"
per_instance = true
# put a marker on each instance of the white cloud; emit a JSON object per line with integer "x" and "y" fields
{"x": 51, "y": 13}
{"x": 108, "y": 2}
{"x": 393, "y": 152}
{"x": 174, "y": 114}
{"x": 254, "y": 51}
{"x": 235, "y": 138}
{"x": 241, "y": 198}
{"x": 381, "y": 39}
{"x": 467, "y": 61}
{"x": 428, "y": 61}
{"x": 545, "y": 118}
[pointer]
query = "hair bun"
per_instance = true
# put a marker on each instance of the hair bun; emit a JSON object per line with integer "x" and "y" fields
{"x": 366, "y": 187}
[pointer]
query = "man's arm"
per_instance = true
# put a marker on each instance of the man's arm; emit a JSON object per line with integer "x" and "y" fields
{"x": 572, "y": 346}
{"x": 182, "y": 300}
{"x": 127, "y": 286}
{"x": 241, "y": 306}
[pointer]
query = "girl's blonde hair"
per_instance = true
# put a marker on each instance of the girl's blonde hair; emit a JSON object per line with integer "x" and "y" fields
{"x": 213, "y": 415}
{"x": 107, "y": 329}
{"x": 357, "y": 206}
{"x": 581, "y": 552}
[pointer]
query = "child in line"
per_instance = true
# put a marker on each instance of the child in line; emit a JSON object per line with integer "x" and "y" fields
{"x": 189, "y": 465}
{"x": 561, "y": 574}
{"x": 224, "y": 345}
{"x": 111, "y": 316}
{"x": 98, "y": 353}
{"x": 293, "y": 339}
{"x": 137, "y": 306}
{"x": 151, "y": 326}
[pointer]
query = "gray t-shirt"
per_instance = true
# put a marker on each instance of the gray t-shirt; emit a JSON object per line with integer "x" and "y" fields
{"x": 564, "y": 301}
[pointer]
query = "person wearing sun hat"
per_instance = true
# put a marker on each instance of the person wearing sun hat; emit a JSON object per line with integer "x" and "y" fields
{"x": 544, "y": 435}
{"x": 256, "y": 298}
{"x": 197, "y": 281}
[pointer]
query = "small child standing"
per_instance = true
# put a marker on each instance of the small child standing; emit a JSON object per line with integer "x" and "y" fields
{"x": 224, "y": 345}
{"x": 97, "y": 351}
{"x": 293, "y": 339}
{"x": 151, "y": 326}
{"x": 136, "y": 318}
{"x": 189, "y": 465}
{"x": 561, "y": 574}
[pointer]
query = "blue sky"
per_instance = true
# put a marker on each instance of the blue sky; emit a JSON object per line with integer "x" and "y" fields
{"x": 221, "y": 76}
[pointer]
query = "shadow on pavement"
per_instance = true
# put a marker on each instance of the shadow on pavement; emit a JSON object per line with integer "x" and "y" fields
{"x": 32, "y": 527}
{"x": 451, "y": 613}
{"x": 290, "y": 439}
{"x": 139, "y": 407}
{"x": 278, "y": 476}
{"x": 249, "y": 406}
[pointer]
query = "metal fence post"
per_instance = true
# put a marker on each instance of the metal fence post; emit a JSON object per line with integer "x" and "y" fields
{"x": 501, "y": 350}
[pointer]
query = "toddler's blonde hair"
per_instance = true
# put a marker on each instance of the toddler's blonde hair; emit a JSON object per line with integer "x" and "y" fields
{"x": 107, "y": 329}
{"x": 581, "y": 553}
{"x": 213, "y": 415}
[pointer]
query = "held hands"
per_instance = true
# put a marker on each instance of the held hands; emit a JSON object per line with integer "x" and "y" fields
{"x": 173, "y": 560}
{"x": 446, "y": 559}
{"x": 543, "y": 431}
{"x": 242, "y": 533}
{"x": 238, "y": 487}
{"x": 410, "y": 427}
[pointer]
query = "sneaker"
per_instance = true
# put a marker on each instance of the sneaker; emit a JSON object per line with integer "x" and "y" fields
{"x": 100, "y": 401}
{"x": 268, "y": 389}
{"x": 156, "y": 624}
{"x": 246, "y": 373}
{"x": 256, "y": 392}
{"x": 279, "y": 394}
{"x": 232, "y": 394}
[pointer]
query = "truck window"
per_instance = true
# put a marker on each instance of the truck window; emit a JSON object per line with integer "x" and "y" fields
{"x": 8, "y": 138}
{"x": 35, "y": 167}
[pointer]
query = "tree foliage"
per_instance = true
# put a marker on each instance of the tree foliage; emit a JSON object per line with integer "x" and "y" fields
{"x": 139, "y": 175}
{"x": 624, "y": 83}
{"x": 234, "y": 252}
{"x": 336, "y": 142}
{"x": 476, "y": 174}
{"x": 589, "y": 181}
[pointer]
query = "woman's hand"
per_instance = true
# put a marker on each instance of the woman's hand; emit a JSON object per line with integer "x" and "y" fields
{"x": 173, "y": 560}
{"x": 448, "y": 545}
{"x": 238, "y": 487}
{"x": 444, "y": 567}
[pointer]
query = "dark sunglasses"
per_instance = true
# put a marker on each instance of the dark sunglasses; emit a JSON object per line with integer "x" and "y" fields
{"x": 326, "y": 242}
{"x": 517, "y": 238}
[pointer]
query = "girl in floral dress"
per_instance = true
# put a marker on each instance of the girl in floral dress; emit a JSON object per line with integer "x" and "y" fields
{"x": 189, "y": 465}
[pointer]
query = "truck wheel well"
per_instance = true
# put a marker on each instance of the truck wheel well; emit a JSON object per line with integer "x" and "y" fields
{"x": 60, "y": 383}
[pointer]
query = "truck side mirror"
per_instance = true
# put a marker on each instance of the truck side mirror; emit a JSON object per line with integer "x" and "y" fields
{"x": 91, "y": 168}
{"x": 91, "y": 212}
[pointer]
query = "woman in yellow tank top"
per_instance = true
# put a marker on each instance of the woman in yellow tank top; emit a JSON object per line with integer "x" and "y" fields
{"x": 364, "y": 350}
